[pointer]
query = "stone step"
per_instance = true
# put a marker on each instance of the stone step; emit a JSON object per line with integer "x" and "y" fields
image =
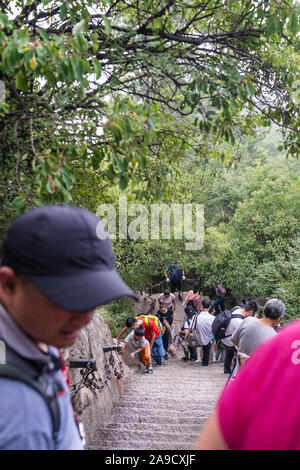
{"x": 164, "y": 411}
{"x": 125, "y": 445}
{"x": 166, "y": 406}
{"x": 167, "y": 428}
{"x": 174, "y": 418}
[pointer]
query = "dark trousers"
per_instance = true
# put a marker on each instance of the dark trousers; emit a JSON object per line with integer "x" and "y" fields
{"x": 166, "y": 340}
{"x": 228, "y": 359}
{"x": 206, "y": 349}
{"x": 219, "y": 305}
{"x": 193, "y": 353}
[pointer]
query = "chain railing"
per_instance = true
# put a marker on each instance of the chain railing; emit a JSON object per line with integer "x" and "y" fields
{"x": 88, "y": 371}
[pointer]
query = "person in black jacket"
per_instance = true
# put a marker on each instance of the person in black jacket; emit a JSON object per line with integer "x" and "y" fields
{"x": 166, "y": 317}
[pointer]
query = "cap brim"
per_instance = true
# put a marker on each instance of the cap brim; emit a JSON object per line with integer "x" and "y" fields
{"x": 84, "y": 291}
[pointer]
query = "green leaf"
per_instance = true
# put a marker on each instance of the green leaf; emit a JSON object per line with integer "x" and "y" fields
{"x": 43, "y": 34}
{"x": 21, "y": 81}
{"x": 63, "y": 11}
{"x": 97, "y": 68}
{"x": 293, "y": 23}
{"x": 250, "y": 88}
{"x": 18, "y": 202}
{"x": 123, "y": 182}
{"x": 79, "y": 27}
{"x": 107, "y": 25}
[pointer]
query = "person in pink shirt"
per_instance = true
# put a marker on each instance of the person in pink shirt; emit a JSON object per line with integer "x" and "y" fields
{"x": 167, "y": 300}
{"x": 195, "y": 297}
{"x": 260, "y": 409}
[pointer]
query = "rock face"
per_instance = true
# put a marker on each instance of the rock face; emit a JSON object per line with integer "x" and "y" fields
{"x": 93, "y": 407}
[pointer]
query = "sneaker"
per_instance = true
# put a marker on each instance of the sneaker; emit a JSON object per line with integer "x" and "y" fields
{"x": 185, "y": 359}
{"x": 149, "y": 369}
{"x": 166, "y": 357}
{"x": 194, "y": 360}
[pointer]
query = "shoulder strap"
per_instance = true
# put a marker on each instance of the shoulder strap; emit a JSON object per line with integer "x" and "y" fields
{"x": 30, "y": 373}
{"x": 194, "y": 322}
{"x": 13, "y": 373}
{"x": 237, "y": 315}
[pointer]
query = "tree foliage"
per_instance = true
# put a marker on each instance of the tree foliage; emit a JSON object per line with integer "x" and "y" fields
{"x": 124, "y": 88}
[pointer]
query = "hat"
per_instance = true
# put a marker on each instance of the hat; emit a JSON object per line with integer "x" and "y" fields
{"x": 58, "y": 249}
{"x": 167, "y": 292}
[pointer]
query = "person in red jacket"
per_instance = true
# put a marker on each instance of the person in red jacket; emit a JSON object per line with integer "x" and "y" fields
{"x": 152, "y": 334}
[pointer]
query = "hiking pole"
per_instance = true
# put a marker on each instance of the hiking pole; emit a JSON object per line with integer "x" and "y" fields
{"x": 232, "y": 370}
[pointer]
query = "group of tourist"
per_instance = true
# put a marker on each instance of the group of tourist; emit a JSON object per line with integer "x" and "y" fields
{"x": 152, "y": 336}
{"x": 259, "y": 409}
{"x": 154, "y": 331}
{"x": 52, "y": 265}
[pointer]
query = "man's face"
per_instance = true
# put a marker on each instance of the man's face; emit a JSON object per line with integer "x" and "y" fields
{"x": 248, "y": 314}
{"x": 167, "y": 296}
{"x": 40, "y": 318}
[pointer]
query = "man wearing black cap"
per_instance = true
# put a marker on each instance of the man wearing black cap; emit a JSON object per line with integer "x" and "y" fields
{"x": 55, "y": 271}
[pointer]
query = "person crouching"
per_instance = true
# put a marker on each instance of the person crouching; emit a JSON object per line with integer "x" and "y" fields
{"x": 137, "y": 348}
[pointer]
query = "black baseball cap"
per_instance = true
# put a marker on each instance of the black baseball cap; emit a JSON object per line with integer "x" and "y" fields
{"x": 63, "y": 251}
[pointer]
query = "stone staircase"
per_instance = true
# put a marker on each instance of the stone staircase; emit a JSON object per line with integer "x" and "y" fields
{"x": 166, "y": 410}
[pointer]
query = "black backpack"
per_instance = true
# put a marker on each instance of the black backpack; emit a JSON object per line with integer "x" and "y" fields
{"x": 190, "y": 309}
{"x": 24, "y": 371}
{"x": 221, "y": 322}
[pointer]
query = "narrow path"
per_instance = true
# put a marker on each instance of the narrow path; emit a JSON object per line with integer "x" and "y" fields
{"x": 166, "y": 410}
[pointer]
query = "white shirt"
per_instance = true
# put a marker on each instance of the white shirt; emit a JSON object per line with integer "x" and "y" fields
{"x": 204, "y": 326}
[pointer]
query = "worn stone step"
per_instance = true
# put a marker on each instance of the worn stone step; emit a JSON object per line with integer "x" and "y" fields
{"x": 124, "y": 445}
{"x": 164, "y": 411}
{"x": 149, "y": 436}
{"x": 123, "y": 429}
{"x": 176, "y": 417}
{"x": 166, "y": 406}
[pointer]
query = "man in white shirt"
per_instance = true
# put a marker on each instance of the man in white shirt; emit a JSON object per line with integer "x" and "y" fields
{"x": 249, "y": 309}
{"x": 204, "y": 327}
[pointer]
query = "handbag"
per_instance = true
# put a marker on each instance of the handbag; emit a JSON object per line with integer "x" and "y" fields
{"x": 193, "y": 337}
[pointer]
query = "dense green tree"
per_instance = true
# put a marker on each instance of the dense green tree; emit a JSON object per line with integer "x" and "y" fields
{"x": 123, "y": 88}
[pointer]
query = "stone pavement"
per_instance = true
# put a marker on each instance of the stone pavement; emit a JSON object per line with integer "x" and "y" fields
{"x": 166, "y": 410}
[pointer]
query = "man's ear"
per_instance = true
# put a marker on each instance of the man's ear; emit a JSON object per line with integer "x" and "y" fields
{"x": 8, "y": 283}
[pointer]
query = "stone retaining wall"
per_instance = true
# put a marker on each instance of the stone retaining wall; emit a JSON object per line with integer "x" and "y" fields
{"x": 94, "y": 407}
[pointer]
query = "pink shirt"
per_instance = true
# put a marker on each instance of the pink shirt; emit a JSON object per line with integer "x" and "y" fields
{"x": 196, "y": 298}
{"x": 166, "y": 301}
{"x": 260, "y": 409}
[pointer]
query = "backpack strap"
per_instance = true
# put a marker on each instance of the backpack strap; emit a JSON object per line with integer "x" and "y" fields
{"x": 234, "y": 315}
{"x": 237, "y": 315}
{"x": 32, "y": 374}
{"x": 13, "y": 373}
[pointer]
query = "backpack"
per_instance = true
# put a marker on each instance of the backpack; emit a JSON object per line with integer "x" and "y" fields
{"x": 147, "y": 317}
{"x": 190, "y": 309}
{"x": 23, "y": 371}
{"x": 193, "y": 337}
{"x": 175, "y": 272}
{"x": 221, "y": 322}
